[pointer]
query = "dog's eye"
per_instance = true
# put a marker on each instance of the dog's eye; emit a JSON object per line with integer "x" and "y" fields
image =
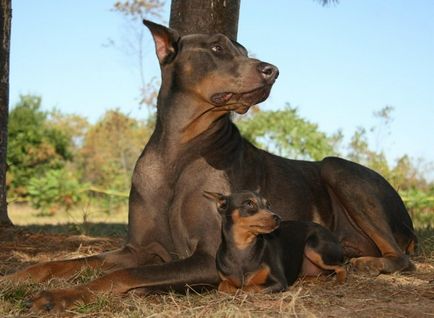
{"x": 250, "y": 204}
{"x": 217, "y": 48}
{"x": 268, "y": 205}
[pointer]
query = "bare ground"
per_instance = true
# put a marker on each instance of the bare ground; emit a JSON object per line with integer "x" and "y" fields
{"x": 399, "y": 295}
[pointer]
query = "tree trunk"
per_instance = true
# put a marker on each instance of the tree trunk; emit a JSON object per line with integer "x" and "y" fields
{"x": 5, "y": 34}
{"x": 210, "y": 16}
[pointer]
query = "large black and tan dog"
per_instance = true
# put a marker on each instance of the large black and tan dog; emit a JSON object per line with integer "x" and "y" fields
{"x": 172, "y": 235}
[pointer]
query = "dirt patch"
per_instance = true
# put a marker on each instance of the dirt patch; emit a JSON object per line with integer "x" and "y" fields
{"x": 399, "y": 295}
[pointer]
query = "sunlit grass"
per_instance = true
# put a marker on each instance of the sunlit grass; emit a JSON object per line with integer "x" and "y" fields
{"x": 89, "y": 220}
{"x": 23, "y": 214}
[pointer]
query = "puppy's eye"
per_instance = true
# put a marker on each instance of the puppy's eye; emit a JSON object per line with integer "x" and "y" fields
{"x": 217, "y": 48}
{"x": 250, "y": 204}
{"x": 268, "y": 205}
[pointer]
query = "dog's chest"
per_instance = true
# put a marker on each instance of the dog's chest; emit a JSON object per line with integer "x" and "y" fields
{"x": 192, "y": 217}
{"x": 243, "y": 278}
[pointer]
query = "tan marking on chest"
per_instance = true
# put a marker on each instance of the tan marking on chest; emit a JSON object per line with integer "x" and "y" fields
{"x": 241, "y": 233}
{"x": 259, "y": 277}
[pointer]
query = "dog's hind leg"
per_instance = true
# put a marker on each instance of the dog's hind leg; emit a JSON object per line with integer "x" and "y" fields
{"x": 122, "y": 258}
{"x": 41, "y": 272}
{"x": 373, "y": 208}
{"x": 319, "y": 263}
{"x": 323, "y": 253}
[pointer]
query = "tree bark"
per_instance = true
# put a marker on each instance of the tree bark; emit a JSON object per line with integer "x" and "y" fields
{"x": 205, "y": 16}
{"x": 5, "y": 35}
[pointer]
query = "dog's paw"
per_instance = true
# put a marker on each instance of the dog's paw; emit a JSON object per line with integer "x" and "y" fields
{"x": 381, "y": 265}
{"x": 371, "y": 265}
{"x": 57, "y": 300}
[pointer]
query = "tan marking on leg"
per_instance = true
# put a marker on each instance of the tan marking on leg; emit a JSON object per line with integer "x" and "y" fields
{"x": 341, "y": 274}
{"x": 376, "y": 227}
{"x": 41, "y": 272}
{"x": 259, "y": 277}
{"x": 411, "y": 248}
{"x": 377, "y": 265}
{"x": 253, "y": 289}
{"x": 227, "y": 287}
{"x": 316, "y": 259}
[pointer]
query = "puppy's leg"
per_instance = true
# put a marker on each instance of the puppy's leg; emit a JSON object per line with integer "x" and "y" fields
{"x": 323, "y": 253}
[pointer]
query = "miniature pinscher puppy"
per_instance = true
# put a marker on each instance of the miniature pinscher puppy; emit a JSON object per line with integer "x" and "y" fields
{"x": 261, "y": 253}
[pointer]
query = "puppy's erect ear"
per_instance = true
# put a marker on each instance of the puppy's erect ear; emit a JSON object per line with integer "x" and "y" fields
{"x": 218, "y": 198}
{"x": 166, "y": 41}
{"x": 258, "y": 189}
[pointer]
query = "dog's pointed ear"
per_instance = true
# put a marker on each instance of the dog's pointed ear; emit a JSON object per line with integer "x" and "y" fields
{"x": 166, "y": 41}
{"x": 258, "y": 189}
{"x": 218, "y": 198}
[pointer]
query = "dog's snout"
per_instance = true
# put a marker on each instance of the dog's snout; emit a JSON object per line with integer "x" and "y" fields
{"x": 269, "y": 72}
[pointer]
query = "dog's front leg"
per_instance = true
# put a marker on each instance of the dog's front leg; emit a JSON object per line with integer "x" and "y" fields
{"x": 121, "y": 258}
{"x": 199, "y": 269}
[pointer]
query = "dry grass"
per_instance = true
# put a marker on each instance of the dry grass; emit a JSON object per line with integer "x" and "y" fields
{"x": 398, "y": 295}
{"x": 88, "y": 220}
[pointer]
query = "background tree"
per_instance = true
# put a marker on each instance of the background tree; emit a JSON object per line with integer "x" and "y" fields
{"x": 35, "y": 145}
{"x": 111, "y": 148}
{"x": 286, "y": 133}
{"x": 198, "y": 16}
{"x": 5, "y": 33}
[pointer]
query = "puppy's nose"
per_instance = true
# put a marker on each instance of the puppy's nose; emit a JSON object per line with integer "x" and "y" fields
{"x": 277, "y": 218}
{"x": 268, "y": 71}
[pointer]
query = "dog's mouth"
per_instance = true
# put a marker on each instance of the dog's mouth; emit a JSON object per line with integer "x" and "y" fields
{"x": 240, "y": 102}
{"x": 264, "y": 228}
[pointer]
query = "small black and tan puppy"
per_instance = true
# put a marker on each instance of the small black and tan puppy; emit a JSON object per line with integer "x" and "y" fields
{"x": 258, "y": 252}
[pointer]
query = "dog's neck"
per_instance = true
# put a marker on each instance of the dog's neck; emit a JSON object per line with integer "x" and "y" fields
{"x": 187, "y": 122}
{"x": 186, "y": 116}
{"x": 240, "y": 240}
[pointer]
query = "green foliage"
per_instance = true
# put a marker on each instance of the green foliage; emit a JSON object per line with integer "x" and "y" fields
{"x": 54, "y": 190}
{"x": 58, "y": 160}
{"x": 34, "y": 146}
{"x": 73, "y": 126}
{"x": 420, "y": 204}
{"x": 111, "y": 148}
{"x": 109, "y": 152}
{"x": 286, "y": 133}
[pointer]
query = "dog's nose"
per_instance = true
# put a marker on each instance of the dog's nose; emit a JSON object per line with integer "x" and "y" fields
{"x": 277, "y": 218}
{"x": 269, "y": 72}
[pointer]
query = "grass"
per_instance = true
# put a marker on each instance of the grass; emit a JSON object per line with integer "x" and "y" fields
{"x": 169, "y": 304}
{"x": 87, "y": 220}
{"x": 398, "y": 295}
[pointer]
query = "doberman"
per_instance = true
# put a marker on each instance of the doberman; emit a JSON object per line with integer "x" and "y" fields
{"x": 172, "y": 235}
{"x": 255, "y": 257}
